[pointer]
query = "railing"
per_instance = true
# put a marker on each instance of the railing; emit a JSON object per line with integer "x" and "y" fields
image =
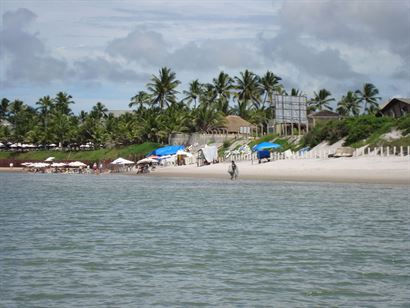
{"x": 325, "y": 154}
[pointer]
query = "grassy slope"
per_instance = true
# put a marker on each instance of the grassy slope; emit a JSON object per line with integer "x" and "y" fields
{"x": 130, "y": 152}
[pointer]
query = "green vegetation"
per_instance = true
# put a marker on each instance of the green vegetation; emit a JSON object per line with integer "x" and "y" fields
{"x": 159, "y": 111}
{"x": 130, "y": 152}
{"x": 357, "y": 131}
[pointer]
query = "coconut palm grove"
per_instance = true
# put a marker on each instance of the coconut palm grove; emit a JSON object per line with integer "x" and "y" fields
{"x": 163, "y": 108}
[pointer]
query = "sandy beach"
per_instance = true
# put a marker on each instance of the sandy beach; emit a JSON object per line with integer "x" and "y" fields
{"x": 8, "y": 169}
{"x": 377, "y": 170}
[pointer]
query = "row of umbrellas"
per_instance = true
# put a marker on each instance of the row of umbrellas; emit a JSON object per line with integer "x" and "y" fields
{"x": 74, "y": 164}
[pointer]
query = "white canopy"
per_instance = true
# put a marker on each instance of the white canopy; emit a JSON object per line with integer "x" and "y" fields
{"x": 147, "y": 161}
{"x": 1, "y": 145}
{"x": 51, "y": 158}
{"x": 122, "y": 161}
{"x": 77, "y": 164}
{"x": 39, "y": 165}
{"x": 210, "y": 153}
{"x": 26, "y": 164}
{"x": 58, "y": 165}
{"x": 52, "y": 145}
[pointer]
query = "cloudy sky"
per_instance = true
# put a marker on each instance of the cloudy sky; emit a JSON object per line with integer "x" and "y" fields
{"x": 107, "y": 50}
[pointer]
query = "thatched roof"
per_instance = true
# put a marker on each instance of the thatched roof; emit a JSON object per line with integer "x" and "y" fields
{"x": 233, "y": 123}
{"x": 324, "y": 114}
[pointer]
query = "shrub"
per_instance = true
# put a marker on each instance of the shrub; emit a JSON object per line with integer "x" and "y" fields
{"x": 403, "y": 124}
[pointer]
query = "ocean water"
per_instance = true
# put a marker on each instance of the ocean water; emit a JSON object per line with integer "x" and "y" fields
{"x": 127, "y": 241}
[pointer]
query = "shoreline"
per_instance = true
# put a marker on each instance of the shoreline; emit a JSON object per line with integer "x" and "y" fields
{"x": 393, "y": 171}
{"x": 361, "y": 170}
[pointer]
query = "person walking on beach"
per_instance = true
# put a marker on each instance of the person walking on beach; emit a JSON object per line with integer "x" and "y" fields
{"x": 233, "y": 171}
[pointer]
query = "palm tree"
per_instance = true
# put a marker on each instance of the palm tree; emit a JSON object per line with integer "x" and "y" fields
{"x": 349, "y": 105}
{"x": 208, "y": 95}
{"x": 99, "y": 111}
{"x": 46, "y": 104}
{"x": 192, "y": 95}
{"x": 207, "y": 117}
{"x": 368, "y": 96}
{"x": 163, "y": 88}
{"x": 140, "y": 99}
{"x": 321, "y": 100}
{"x": 248, "y": 91}
{"x": 270, "y": 85}
{"x": 223, "y": 85}
{"x": 62, "y": 103}
{"x": 4, "y": 108}
{"x": 296, "y": 92}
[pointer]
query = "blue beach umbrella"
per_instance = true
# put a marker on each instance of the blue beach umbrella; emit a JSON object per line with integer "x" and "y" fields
{"x": 266, "y": 146}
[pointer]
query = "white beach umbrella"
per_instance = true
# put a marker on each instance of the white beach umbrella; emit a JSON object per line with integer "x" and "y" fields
{"x": 26, "y": 164}
{"x": 51, "y": 158}
{"x": 39, "y": 165}
{"x": 58, "y": 165}
{"x": 52, "y": 145}
{"x": 2, "y": 145}
{"x": 147, "y": 161}
{"x": 122, "y": 161}
{"x": 76, "y": 164}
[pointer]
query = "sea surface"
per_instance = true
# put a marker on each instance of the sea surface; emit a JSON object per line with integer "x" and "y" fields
{"x": 132, "y": 241}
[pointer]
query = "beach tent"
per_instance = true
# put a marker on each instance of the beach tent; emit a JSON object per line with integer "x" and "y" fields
{"x": 266, "y": 146}
{"x": 210, "y": 153}
{"x": 122, "y": 161}
{"x": 167, "y": 150}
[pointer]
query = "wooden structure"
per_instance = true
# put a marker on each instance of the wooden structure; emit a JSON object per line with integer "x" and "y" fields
{"x": 396, "y": 108}
{"x": 322, "y": 116}
{"x": 236, "y": 125}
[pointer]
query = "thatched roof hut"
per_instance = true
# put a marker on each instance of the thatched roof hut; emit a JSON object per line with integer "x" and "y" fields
{"x": 233, "y": 124}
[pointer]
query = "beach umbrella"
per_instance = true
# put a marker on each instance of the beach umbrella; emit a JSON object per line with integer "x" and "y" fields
{"x": 147, "y": 161}
{"x": 2, "y": 145}
{"x": 58, "y": 165}
{"x": 266, "y": 146}
{"x": 51, "y": 158}
{"x": 39, "y": 165}
{"x": 26, "y": 164}
{"x": 76, "y": 164}
{"x": 122, "y": 161}
{"x": 52, "y": 145}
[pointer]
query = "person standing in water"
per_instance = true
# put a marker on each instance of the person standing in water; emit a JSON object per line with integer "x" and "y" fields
{"x": 233, "y": 171}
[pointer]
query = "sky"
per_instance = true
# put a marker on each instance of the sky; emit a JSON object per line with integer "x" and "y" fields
{"x": 107, "y": 51}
